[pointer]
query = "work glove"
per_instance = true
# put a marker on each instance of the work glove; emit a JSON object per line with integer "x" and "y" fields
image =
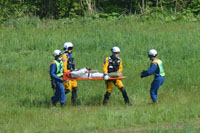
{"x": 143, "y": 74}
{"x": 106, "y": 76}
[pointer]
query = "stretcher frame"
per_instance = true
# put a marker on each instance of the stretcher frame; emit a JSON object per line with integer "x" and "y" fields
{"x": 112, "y": 78}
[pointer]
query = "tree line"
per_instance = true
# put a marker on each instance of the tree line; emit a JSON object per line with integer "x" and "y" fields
{"x": 57, "y": 9}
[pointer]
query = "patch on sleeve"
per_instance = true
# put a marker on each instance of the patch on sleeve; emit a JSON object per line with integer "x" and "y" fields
{"x": 52, "y": 62}
{"x": 64, "y": 60}
{"x": 104, "y": 62}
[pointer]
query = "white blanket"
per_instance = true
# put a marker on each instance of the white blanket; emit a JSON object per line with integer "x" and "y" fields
{"x": 84, "y": 73}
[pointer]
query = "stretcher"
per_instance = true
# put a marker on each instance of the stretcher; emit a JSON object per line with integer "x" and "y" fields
{"x": 67, "y": 76}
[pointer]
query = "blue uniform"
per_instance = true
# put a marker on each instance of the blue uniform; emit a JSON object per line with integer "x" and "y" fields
{"x": 155, "y": 69}
{"x": 60, "y": 92}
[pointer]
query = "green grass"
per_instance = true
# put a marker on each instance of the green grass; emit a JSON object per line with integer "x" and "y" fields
{"x": 26, "y": 47}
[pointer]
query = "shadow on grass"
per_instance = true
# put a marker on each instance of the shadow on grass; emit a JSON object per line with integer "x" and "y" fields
{"x": 93, "y": 101}
{"x": 46, "y": 103}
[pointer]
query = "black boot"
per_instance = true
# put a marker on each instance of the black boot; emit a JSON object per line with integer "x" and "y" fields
{"x": 106, "y": 98}
{"x": 125, "y": 96}
{"x": 53, "y": 102}
{"x": 74, "y": 95}
{"x": 155, "y": 101}
{"x": 62, "y": 105}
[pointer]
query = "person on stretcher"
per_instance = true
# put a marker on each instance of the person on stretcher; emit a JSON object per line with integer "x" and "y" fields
{"x": 89, "y": 73}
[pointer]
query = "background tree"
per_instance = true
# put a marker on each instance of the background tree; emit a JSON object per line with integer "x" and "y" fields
{"x": 72, "y": 8}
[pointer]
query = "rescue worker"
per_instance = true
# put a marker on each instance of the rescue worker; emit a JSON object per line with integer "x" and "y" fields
{"x": 113, "y": 64}
{"x": 56, "y": 73}
{"x": 156, "y": 68}
{"x": 68, "y": 65}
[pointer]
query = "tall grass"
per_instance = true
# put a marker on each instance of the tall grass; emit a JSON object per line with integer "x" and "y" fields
{"x": 26, "y": 47}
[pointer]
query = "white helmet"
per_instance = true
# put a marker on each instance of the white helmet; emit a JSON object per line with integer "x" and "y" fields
{"x": 115, "y": 49}
{"x": 56, "y": 52}
{"x": 152, "y": 52}
{"x": 67, "y": 45}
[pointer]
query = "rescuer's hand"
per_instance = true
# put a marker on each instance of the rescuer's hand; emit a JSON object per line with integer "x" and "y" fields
{"x": 106, "y": 76}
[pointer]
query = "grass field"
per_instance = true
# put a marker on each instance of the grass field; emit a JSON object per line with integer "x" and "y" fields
{"x": 26, "y": 47}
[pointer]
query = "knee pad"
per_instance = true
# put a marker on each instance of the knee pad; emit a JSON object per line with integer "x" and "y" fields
{"x": 109, "y": 90}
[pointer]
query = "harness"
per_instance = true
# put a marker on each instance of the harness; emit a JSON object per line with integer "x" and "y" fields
{"x": 114, "y": 64}
{"x": 70, "y": 63}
